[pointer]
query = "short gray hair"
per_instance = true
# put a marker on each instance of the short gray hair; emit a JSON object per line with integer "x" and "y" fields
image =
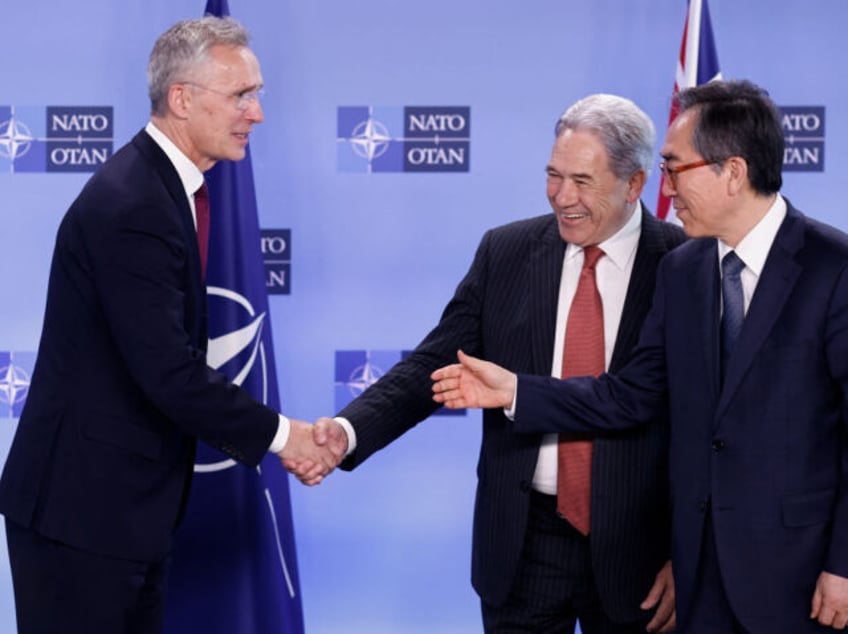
{"x": 184, "y": 47}
{"x": 626, "y": 132}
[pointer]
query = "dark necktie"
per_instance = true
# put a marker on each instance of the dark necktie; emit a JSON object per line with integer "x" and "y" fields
{"x": 201, "y": 208}
{"x": 733, "y": 304}
{"x": 583, "y": 354}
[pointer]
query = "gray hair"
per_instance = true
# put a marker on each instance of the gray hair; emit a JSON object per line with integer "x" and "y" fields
{"x": 184, "y": 47}
{"x": 626, "y": 132}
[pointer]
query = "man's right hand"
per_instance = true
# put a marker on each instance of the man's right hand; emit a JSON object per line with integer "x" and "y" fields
{"x": 473, "y": 383}
{"x": 321, "y": 448}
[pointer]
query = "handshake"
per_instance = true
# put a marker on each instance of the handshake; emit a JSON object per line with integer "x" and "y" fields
{"x": 313, "y": 451}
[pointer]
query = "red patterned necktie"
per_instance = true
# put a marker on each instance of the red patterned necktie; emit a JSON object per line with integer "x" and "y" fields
{"x": 201, "y": 208}
{"x": 583, "y": 355}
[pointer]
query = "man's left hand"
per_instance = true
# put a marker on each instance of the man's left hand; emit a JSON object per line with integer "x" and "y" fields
{"x": 661, "y": 597}
{"x": 830, "y": 601}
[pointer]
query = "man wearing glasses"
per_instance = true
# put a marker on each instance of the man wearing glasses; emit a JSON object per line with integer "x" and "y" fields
{"x": 747, "y": 345}
{"x": 100, "y": 466}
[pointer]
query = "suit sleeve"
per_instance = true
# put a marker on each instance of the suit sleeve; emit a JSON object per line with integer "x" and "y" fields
{"x": 138, "y": 264}
{"x": 403, "y": 396}
{"x": 836, "y": 345}
{"x": 633, "y": 397}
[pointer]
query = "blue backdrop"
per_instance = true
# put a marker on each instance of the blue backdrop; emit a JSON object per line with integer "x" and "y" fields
{"x": 375, "y": 256}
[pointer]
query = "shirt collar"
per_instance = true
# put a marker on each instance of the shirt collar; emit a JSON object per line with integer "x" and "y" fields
{"x": 754, "y": 248}
{"x": 621, "y": 246}
{"x": 190, "y": 176}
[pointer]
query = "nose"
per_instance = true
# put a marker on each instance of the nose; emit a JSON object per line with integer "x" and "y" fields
{"x": 668, "y": 188}
{"x": 565, "y": 194}
{"x": 254, "y": 111}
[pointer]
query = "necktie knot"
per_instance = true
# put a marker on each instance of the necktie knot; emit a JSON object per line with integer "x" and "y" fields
{"x": 591, "y": 255}
{"x": 731, "y": 265}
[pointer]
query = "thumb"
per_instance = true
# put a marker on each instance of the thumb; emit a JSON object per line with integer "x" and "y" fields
{"x": 320, "y": 432}
{"x": 817, "y": 603}
{"x": 467, "y": 361}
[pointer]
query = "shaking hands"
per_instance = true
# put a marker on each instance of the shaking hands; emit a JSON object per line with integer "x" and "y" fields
{"x": 313, "y": 451}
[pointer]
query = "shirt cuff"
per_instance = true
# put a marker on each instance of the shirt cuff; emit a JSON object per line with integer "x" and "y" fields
{"x": 351, "y": 434}
{"x": 282, "y": 435}
{"x": 509, "y": 412}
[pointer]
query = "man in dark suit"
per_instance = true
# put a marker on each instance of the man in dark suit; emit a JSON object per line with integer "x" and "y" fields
{"x": 101, "y": 462}
{"x": 747, "y": 344}
{"x": 533, "y": 569}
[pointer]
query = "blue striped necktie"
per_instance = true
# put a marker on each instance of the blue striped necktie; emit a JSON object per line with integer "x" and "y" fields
{"x": 733, "y": 312}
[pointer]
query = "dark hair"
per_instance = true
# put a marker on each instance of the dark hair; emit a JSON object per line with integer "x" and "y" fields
{"x": 737, "y": 118}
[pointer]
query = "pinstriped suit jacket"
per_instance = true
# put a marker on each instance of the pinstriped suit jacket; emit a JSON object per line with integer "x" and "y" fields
{"x": 504, "y": 310}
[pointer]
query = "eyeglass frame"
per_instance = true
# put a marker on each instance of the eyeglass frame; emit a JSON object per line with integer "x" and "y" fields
{"x": 242, "y": 98}
{"x": 670, "y": 173}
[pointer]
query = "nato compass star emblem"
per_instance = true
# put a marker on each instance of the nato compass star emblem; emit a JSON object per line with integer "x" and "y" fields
{"x": 370, "y": 139}
{"x": 242, "y": 346}
{"x": 14, "y": 385}
{"x": 363, "y": 377}
{"x": 15, "y": 138}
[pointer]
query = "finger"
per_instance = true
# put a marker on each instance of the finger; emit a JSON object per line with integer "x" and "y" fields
{"x": 662, "y": 617}
{"x": 670, "y": 624}
{"x": 817, "y": 603}
{"x": 653, "y": 597}
{"x": 298, "y": 467}
{"x": 840, "y": 620}
{"x": 826, "y": 616}
{"x": 447, "y": 372}
{"x": 319, "y": 433}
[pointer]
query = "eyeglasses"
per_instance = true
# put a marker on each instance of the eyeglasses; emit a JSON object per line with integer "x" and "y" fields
{"x": 243, "y": 99}
{"x": 670, "y": 173}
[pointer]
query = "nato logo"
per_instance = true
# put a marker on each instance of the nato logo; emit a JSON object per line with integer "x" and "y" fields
{"x": 15, "y": 372}
{"x": 357, "y": 370}
{"x": 803, "y": 135}
{"x": 239, "y": 353}
{"x": 276, "y": 254}
{"x": 403, "y": 139}
{"x": 55, "y": 138}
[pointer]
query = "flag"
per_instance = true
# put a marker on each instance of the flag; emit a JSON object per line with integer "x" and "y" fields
{"x": 698, "y": 64}
{"x": 233, "y": 566}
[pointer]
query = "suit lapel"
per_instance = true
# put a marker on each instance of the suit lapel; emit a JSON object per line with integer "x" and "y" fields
{"x": 776, "y": 283}
{"x": 701, "y": 314}
{"x": 637, "y": 302}
{"x": 196, "y": 300}
{"x": 544, "y": 274}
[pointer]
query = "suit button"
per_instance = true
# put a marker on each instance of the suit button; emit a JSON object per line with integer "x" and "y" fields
{"x": 718, "y": 445}
{"x": 525, "y": 486}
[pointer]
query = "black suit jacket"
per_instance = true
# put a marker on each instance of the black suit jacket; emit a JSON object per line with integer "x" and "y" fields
{"x": 504, "y": 310}
{"x": 766, "y": 451}
{"x": 103, "y": 453}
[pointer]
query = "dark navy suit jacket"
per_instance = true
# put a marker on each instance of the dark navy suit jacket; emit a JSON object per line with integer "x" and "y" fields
{"x": 504, "y": 310}
{"x": 765, "y": 452}
{"x": 103, "y": 453}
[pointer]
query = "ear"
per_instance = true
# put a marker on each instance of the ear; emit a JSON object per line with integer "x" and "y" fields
{"x": 635, "y": 185}
{"x": 179, "y": 100}
{"x": 737, "y": 169}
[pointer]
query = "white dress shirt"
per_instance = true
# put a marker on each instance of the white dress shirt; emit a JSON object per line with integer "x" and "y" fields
{"x": 754, "y": 248}
{"x": 612, "y": 275}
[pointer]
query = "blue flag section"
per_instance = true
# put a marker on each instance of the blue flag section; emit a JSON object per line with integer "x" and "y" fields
{"x": 234, "y": 567}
